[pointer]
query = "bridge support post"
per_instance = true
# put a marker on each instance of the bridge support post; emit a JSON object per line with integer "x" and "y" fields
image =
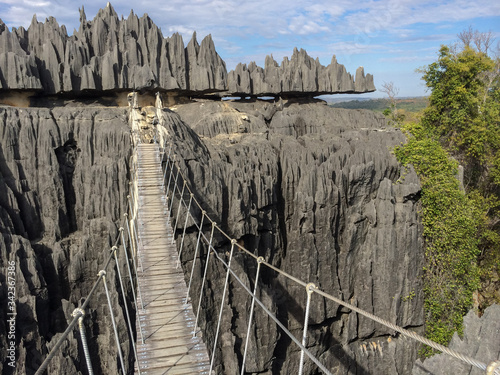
{"x": 174, "y": 187}
{"x": 203, "y": 213}
{"x": 102, "y": 273}
{"x": 181, "y": 199}
{"x": 130, "y": 276}
{"x": 130, "y": 331}
{"x": 233, "y": 242}
{"x": 83, "y": 337}
{"x": 204, "y": 278}
{"x": 135, "y": 233}
{"x": 309, "y": 289}
{"x": 259, "y": 262}
{"x": 170, "y": 176}
{"x": 188, "y": 213}
{"x": 166, "y": 167}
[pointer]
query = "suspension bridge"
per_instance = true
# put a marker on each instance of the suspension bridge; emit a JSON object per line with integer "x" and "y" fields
{"x": 165, "y": 336}
{"x": 169, "y": 336}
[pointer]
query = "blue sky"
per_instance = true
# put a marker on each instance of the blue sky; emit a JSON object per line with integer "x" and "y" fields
{"x": 389, "y": 38}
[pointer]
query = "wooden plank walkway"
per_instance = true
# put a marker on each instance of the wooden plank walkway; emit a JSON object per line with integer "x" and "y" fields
{"x": 167, "y": 322}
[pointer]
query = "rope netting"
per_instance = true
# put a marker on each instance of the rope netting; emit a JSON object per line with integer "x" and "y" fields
{"x": 80, "y": 312}
{"x": 176, "y": 187}
{"x": 173, "y": 191}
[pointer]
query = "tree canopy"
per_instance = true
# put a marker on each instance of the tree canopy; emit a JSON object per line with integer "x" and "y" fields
{"x": 464, "y": 111}
{"x": 460, "y": 216}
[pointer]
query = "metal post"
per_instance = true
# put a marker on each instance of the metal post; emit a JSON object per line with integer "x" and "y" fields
{"x": 60, "y": 341}
{"x": 233, "y": 241}
{"x": 132, "y": 280}
{"x": 131, "y": 332}
{"x": 188, "y": 213}
{"x": 166, "y": 167}
{"x": 135, "y": 198}
{"x": 131, "y": 197}
{"x": 170, "y": 176}
{"x": 133, "y": 245}
{"x": 204, "y": 277}
{"x": 259, "y": 262}
{"x": 80, "y": 314}
{"x": 309, "y": 289}
{"x": 195, "y": 253}
{"x": 103, "y": 274}
{"x": 173, "y": 189}
{"x": 127, "y": 261}
{"x": 136, "y": 236}
{"x": 165, "y": 140}
{"x": 181, "y": 199}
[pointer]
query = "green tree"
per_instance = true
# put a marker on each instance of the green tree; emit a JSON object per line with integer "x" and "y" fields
{"x": 464, "y": 113}
{"x": 461, "y": 222}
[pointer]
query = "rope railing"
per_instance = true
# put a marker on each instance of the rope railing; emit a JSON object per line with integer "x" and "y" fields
{"x": 172, "y": 188}
{"x": 174, "y": 192}
{"x": 80, "y": 312}
{"x": 130, "y": 220}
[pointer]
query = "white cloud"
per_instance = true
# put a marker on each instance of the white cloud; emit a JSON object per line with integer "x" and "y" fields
{"x": 261, "y": 17}
{"x": 17, "y": 13}
{"x": 353, "y": 48}
{"x": 390, "y": 14}
{"x": 186, "y": 32}
{"x": 302, "y": 25}
{"x": 37, "y": 4}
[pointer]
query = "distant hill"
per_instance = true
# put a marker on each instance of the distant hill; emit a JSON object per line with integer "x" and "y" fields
{"x": 379, "y": 105}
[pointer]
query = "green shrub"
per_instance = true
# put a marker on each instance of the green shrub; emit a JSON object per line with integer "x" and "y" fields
{"x": 450, "y": 222}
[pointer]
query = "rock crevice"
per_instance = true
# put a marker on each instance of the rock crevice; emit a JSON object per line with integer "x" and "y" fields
{"x": 63, "y": 187}
{"x": 316, "y": 192}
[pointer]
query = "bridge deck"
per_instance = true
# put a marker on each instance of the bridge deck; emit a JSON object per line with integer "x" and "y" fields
{"x": 167, "y": 322}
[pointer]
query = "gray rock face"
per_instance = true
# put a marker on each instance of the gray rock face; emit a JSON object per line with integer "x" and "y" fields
{"x": 299, "y": 76}
{"x": 63, "y": 188}
{"x": 481, "y": 341}
{"x": 107, "y": 53}
{"x": 316, "y": 192}
{"x": 313, "y": 190}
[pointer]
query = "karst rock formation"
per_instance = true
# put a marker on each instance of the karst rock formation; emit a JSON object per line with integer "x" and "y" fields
{"x": 317, "y": 193}
{"x": 315, "y": 190}
{"x": 109, "y": 53}
{"x": 299, "y": 76}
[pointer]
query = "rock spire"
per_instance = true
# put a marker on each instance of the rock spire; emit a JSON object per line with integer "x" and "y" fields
{"x": 114, "y": 54}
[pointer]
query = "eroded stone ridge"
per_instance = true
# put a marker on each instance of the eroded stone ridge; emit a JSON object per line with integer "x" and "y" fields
{"x": 63, "y": 192}
{"x": 300, "y": 76}
{"x": 109, "y": 53}
{"x": 480, "y": 340}
{"x": 316, "y": 192}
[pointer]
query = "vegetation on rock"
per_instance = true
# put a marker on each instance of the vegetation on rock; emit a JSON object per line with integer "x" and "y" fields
{"x": 460, "y": 126}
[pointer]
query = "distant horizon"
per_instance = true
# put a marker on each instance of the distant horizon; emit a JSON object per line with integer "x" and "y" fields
{"x": 388, "y": 38}
{"x": 350, "y": 97}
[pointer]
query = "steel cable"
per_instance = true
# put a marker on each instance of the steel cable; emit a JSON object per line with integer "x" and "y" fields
{"x": 401, "y": 330}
